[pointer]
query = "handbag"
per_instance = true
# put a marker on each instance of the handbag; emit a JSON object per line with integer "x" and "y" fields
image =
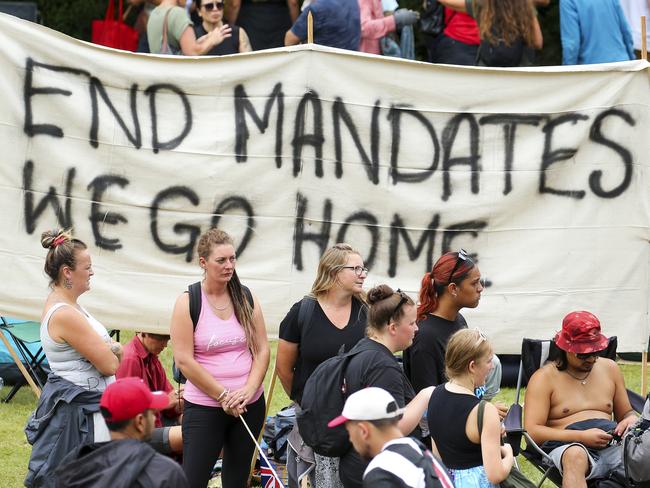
{"x": 112, "y": 32}
{"x": 515, "y": 479}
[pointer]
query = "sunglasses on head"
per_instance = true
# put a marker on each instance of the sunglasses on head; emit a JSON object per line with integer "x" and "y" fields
{"x": 403, "y": 299}
{"x": 462, "y": 257}
{"x": 481, "y": 336}
{"x": 213, "y": 5}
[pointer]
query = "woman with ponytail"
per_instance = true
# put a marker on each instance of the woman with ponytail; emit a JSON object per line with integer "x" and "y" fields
{"x": 224, "y": 360}
{"x": 453, "y": 283}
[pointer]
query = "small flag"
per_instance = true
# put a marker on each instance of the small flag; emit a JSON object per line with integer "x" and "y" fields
{"x": 268, "y": 475}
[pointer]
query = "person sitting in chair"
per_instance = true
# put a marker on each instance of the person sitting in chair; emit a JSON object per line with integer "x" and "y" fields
{"x": 128, "y": 407}
{"x": 141, "y": 359}
{"x": 569, "y": 405}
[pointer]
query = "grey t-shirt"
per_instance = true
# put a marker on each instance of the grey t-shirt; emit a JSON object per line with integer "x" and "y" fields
{"x": 177, "y": 22}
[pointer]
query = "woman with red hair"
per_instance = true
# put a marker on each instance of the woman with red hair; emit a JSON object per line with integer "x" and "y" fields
{"x": 453, "y": 283}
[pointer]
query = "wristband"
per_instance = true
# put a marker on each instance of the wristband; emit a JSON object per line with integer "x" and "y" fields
{"x": 223, "y": 394}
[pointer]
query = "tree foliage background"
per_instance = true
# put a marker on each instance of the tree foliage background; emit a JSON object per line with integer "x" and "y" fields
{"x": 74, "y": 17}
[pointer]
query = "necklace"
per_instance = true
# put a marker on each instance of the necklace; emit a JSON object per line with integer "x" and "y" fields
{"x": 214, "y": 307}
{"x": 459, "y": 385}
{"x": 583, "y": 381}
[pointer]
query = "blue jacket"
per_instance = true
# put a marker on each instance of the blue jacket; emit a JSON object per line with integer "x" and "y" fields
{"x": 62, "y": 421}
{"x": 594, "y": 31}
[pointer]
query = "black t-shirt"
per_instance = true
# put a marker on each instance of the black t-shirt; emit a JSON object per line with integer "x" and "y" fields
{"x": 376, "y": 366}
{"x": 230, "y": 45}
{"x": 424, "y": 360}
{"x": 323, "y": 339}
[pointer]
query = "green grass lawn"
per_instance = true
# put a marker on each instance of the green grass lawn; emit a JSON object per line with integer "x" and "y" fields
{"x": 14, "y": 449}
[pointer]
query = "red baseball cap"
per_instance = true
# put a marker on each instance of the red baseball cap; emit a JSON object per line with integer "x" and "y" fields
{"x": 128, "y": 397}
{"x": 581, "y": 334}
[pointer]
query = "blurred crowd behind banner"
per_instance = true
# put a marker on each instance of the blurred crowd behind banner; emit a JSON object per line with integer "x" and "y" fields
{"x": 74, "y": 18}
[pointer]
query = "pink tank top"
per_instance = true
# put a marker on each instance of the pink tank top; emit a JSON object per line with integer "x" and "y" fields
{"x": 220, "y": 347}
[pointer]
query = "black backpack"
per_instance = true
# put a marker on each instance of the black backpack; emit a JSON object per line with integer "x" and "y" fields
{"x": 432, "y": 20}
{"x": 322, "y": 400}
{"x": 194, "y": 291}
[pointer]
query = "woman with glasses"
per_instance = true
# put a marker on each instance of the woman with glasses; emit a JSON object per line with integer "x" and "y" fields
{"x": 169, "y": 31}
{"x": 211, "y": 13}
{"x": 332, "y": 316}
{"x": 391, "y": 328}
{"x": 224, "y": 357}
{"x": 475, "y": 459}
{"x": 453, "y": 283}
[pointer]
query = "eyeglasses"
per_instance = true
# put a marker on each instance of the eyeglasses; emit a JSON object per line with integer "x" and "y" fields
{"x": 358, "y": 270}
{"x": 403, "y": 299}
{"x": 462, "y": 256}
{"x": 586, "y": 355}
{"x": 214, "y": 5}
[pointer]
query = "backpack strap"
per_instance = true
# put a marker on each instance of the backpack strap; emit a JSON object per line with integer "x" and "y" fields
{"x": 307, "y": 307}
{"x": 195, "y": 302}
{"x": 249, "y": 296}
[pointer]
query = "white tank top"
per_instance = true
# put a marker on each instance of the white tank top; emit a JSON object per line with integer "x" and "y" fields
{"x": 66, "y": 362}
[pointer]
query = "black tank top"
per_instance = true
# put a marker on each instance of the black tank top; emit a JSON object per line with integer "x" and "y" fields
{"x": 229, "y": 45}
{"x": 447, "y": 418}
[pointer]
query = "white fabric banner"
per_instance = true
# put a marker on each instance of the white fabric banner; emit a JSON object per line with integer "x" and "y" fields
{"x": 542, "y": 174}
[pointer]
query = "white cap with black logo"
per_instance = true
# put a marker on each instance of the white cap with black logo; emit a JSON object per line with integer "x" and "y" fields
{"x": 368, "y": 404}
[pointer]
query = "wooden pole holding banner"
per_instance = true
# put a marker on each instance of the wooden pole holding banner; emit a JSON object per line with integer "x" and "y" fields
{"x": 644, "y": 47}
{"x": 310, "y": 28}
{"x": 644, "y": 354}
{"x": 274, "y": 375}
{"x": 644, "y": 373}
{"x": 20, "y": 365}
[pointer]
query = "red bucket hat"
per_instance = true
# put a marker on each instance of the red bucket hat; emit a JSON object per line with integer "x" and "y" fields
{"x": 581, "y": 334}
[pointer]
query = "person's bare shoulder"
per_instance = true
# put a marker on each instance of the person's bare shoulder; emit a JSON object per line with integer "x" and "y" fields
{"x": 543, "y": 378}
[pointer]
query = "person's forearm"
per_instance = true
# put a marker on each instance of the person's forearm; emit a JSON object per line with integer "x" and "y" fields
{"x": 542, "y": 433}
{"x": 286, "y": 380}
{"x": 259, "y": 368}
{"x": 233, "y": 12}
{"x": 294, "y": 11}
{"x": 200, "y": 377}
{"x": 414, "y": 411}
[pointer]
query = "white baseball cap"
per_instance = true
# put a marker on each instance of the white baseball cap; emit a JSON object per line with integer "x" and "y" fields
{"x": 368, "y": 404}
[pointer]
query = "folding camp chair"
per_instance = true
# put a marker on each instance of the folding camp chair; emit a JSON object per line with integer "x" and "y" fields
{"x": 30, "y": 365}
{"x": 534, "y": 354}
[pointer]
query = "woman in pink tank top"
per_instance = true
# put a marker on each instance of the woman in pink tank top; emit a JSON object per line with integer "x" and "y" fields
{"x": 224, "y": 360}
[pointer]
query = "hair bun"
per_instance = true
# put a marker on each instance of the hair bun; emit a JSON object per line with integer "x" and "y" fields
{"x": 379, "y": 293}
{"x": 52, "y": 238}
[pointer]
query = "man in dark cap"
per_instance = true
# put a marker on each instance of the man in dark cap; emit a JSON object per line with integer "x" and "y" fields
{"x": 128, "y": 407}
{"x": 577, "y": 408}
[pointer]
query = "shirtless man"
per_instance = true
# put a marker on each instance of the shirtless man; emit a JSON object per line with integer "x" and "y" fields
{"x": 569, "y": 404}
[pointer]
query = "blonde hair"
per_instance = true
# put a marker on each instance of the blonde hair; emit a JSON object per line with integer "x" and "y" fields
{"x": 331, "y": 262}
{"x": 62, "y": 251}
{"x": 465, "y": 346}
{"x": 243, "y": 309}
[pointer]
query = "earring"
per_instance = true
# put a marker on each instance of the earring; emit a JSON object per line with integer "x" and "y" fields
{"x": 67, "y": 283}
